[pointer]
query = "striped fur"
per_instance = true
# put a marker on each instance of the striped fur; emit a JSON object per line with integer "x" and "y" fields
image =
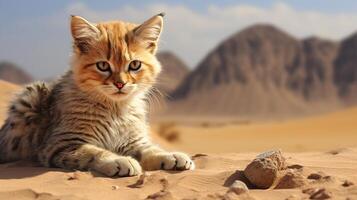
{"x": 82, "y": 121}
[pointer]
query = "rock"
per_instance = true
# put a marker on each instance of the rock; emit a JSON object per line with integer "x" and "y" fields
{"x": 291, "y": 180}
{"x": 276, "y": 156}
{"x": 347, "y": 183}
{"x": 321, "y": 194}
{"x": 309, "y": 191}
{"x": 115, "y": 187}
{"x": 316, "y": 176}
{"x": 318, "y": 193}
{"x": 296, "y": 167}
{"x": 263, "y": 170}
{"x": 261, "y": 173}
{"x": 238, "y": 187}
{"x": 77, "y": 175}
{"x": 320, "y": 177}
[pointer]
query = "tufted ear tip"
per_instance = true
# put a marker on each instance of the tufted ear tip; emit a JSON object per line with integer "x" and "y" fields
{"x": 161, "y": 14}
{"x": 148, "y": 33}
{"x": 83, "y": 32}
{"x": 73, "y": 17}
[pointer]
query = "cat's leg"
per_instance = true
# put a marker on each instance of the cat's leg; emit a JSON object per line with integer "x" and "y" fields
{"x": 86, "y": 156}
{"x": 153, "y": 157}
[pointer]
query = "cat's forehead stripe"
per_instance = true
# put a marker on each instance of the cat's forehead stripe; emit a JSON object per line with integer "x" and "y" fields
{"x": 118, "y": 47}
{"x": 109, "y": 53}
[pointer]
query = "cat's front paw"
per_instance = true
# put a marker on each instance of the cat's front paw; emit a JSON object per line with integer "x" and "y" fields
{"x": 171, "y": 161}
{"x": 120, "y": 166}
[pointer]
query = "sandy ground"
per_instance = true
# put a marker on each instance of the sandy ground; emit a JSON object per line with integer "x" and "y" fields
{"x": 319, "y": 144}
{"x": 214, "y": 173}
{"x": 314, "y": 133}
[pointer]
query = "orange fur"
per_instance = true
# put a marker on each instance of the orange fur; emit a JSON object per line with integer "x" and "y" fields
{"x": 118, "y": 44}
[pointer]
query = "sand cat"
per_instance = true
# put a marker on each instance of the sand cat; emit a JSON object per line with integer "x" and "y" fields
{"x": 94, "y": 117}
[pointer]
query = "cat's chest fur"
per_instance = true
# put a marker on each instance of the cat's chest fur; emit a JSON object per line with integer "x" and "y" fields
{"x": 124, "y": 127}
{"x": 114, "y": 124}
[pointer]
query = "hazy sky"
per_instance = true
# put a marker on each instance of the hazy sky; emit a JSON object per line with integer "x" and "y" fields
{"x": 35, "y": 34}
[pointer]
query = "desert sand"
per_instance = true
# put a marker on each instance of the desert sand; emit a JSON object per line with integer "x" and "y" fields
{"x": 211, "y": 179}
{"x": 324, "y": 145}
{"x": 314, "y": 133}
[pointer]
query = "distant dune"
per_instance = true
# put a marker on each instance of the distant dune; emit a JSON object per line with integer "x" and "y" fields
{"x": 14, "y": 74}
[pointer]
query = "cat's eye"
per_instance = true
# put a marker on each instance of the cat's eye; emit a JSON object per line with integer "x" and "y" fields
{"x": 103, "y": 66}
{"x": 134, "y": 65}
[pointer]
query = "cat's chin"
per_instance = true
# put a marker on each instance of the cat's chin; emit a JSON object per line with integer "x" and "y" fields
{"x": 120, "y": 96}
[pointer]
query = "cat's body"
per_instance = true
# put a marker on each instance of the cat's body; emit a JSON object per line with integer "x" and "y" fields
{"x": 94, "y": 117}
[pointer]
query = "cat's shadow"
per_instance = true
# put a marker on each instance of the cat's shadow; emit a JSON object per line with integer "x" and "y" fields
{"x": 24, "y": 169}
{"x": 27, "y": 169}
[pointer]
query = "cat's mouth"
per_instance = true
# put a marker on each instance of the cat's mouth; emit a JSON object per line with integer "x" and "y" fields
{"x": 120, "y": 93}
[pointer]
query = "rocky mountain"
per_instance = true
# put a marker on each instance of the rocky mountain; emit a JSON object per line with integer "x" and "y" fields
{"x": 12, "y": 73}
{"x": 173, "y": 72}
{"x": 265, "y": 71}
{"x": 345, "y": 68}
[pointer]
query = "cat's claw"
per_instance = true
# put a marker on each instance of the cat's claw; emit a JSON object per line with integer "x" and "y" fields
{"x": 120, "y": 166}
{"x": 175, "y": 161}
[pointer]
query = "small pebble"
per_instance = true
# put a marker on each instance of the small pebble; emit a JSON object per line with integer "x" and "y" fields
{"x": 115, "y": 187}
{"x": 316, "y": 176}
{"x": 347, "y": 183}
{"x": 310, "y": 191}
{"x": 321, "y": 194}
{"x": 74, "y": 176}
{"x": 238, "y": 187}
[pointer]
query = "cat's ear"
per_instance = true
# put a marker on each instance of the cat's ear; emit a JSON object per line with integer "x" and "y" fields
{"x": 83, "y": 32}
{"x": 148, "y": 33}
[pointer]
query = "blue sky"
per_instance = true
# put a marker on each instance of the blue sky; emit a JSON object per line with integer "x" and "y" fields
{"x": 26, "y": 8}
{"x": 35, "y": 34}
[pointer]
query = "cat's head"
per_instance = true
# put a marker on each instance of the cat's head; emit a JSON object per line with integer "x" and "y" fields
{"x": 115, "y": 59}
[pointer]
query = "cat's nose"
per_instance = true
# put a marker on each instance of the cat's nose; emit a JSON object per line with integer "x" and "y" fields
{"x": 119, "y": 85}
